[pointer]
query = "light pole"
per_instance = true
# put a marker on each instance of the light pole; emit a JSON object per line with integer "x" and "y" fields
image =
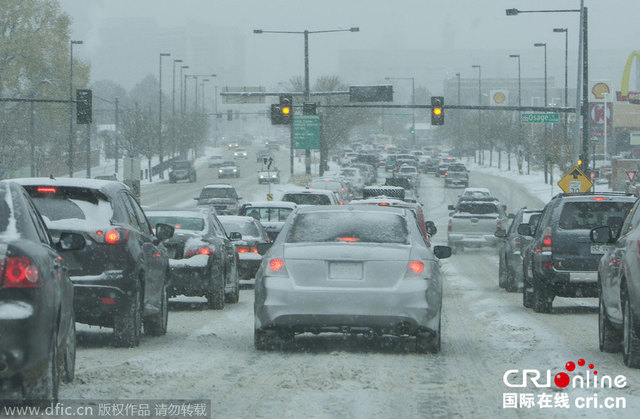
{"x": 32, "y": 126}
{"x": 160, "y": 152}
{"x": 546, "y": 103}
{"x": 519, "y": 104}
{"x": 173, "y": 93}
{"x": 606, "y": 104}
{"x": 413, "y": 102}
{"x": 582, "y": 104}
{"x": 182, "y": 87}
{"x": 307, "y": 92}
{"x": 195, "y": 90}
{"x": 458, "y": 114}
{"x": 481, "y": 153}
{"x": 71, "y": 139}
{"x": 202, "y": 91}
{"x": 566, "y": 74}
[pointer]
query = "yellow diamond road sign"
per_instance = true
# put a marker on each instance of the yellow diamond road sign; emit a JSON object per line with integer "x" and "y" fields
{"x": 575, "y": 181}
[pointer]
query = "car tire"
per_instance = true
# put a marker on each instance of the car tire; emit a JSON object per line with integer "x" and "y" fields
{"x": 69, "y": 357}
{"x": 630, "y": 340}
{"x": 127, "y": 325}
{"x": 608, "y": 337}
{"x": 542, "y": 298}
{"x": 156, "y": 324}
{"x": 45, "y": 388}
{"x": 427, "y": 343}
{"x": 216, "y": 295}
{"x": 527, "y": 292}
{"x": 234, "y": 296}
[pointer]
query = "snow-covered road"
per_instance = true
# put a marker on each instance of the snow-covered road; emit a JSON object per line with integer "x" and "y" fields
{"x": 209, "y": 354}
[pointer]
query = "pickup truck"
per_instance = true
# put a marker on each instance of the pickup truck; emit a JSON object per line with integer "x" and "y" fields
{"x": 456, "y": 175}
{"x": 474, "y": 223}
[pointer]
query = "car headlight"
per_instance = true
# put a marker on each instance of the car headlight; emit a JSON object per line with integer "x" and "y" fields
{"x": 261, "y": 176}
{"x": 235, "y": 170}
{"x": 219, "y": 170}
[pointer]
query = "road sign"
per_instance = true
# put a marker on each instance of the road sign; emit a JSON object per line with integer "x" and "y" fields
{"x": 252, "y": 95}
{"x": 306, "y": 132}
{"x": 575, "y": 181}
{"x": 269, "y": 195}
{"x": 540, "y": 117}
{"x": 380, "y": 93}
{"x": 631, "y": 175}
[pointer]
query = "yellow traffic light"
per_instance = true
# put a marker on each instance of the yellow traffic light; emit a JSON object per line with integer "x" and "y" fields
{"x": 285, "y": 110}
{"x": 437, "y": 111}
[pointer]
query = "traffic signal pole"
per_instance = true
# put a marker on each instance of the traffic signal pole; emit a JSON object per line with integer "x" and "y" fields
{"x": 307, "y": 97}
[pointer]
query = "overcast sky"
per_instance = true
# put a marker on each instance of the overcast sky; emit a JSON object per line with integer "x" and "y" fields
{"x": 418, "y": 25}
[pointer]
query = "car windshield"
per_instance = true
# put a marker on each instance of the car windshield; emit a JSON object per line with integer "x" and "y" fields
{"x": 5, "y": 212}
{"x": 478, "y": 207}
{"x": 246, "y": 228}
{"x": 592, "y": 214}
{"x": 218, "y": 193}
{"x": 228, "y": 164}
{"x": 263, "y": 214}
{"x": 178, "y": 222}
{"x": 307, "y": 198}
{"x": 408, "y": 169}
{"x": 348, "y": 227}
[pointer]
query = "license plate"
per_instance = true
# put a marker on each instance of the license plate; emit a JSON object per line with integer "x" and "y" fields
{"x": 600, "y": 249}
{"x": 345, "y": 270}
{"x": 583, "y": 276}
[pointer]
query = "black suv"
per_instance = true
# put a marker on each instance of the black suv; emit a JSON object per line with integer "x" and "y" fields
{"x": 120, "y": 277}
{"x": 182, "y": 170}
{"x": 560, "y": 260}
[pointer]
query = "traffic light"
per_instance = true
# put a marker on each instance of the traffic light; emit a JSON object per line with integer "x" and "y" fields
{"x": 580, "y": 160}
{"x": 286, "y": 108}
{"x": 437, "y": 110}
{"x": 83, "y": 106}
{"x": 412, "y": 130}
{"x": 229, "y": 115}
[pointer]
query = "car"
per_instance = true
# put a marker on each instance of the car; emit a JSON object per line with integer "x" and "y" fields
{"x": 355, "y": 176}
{"x": 310, "y": 197}
{"x": 250, "y": 237}
{"x": 221, "y": 197}
{"x": 233, "y": 145}
{"x": 272, "y": 145}
{"x": 269, "y": 175}
{"x": 240, "y": 153}
{"x": 182, "y": 170}
{"x": 335, "y": 184}
{"x": 202, "y": 258}
{"x": 347, "y": 277}
{"x": 443, "y": 164}
{"x": 474, "y": 223}
{"x": 560, "y": 260}
{"x": 271, "y": 214}
{"x": 37, "y": 324}
{"x": 120, "y": 277}
{"x": 411, "y": 174}
{"x": 511, "y": 247}
{"x": 456, "y": 175}
{"x": 228, "y": 168}
{"x": 215, "y": 160}
{"x": 368, "y": 171}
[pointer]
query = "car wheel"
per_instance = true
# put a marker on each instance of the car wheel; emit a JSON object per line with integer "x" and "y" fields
{"x": 127, "y": 324}
{"x": 608, "y": 337}
{"x": 215, "y": 296}
{"x": 542, "y": 298}
{"x": 44, "y": 389}
{"x": 630, "y": 341}
{"x": 510, "y": 285}
{"x": 428, "y": 343}
{"x": 156, "y": 324}
{"x": 69, "y": 360}
{"x": 527, "y": 290}
{"x": 502, "y": 276}
{"x": 234, "y": 296}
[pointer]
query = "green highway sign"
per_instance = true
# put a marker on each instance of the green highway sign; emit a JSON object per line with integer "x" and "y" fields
{"x": 306, "y": 132}
{"x": 540, "y": 117}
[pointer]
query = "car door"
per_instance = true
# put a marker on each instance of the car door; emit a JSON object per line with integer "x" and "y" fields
{"x": 228, "y": 246}
{"x": 623, "y": 256}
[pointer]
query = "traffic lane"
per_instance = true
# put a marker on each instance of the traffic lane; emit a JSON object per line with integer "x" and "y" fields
{"x": 162, "y": 194}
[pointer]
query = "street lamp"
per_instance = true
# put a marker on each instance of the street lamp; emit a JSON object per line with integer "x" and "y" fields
{"x": 32, "y": 125}
{"x": 519, "y": 104}
{"x": 173, "y": 93}
{"x": 182, "y": 87}
{"x": 457, "y": 114}
{"x": 71, "y": 139}
{"x": 307, "y": 92}
{"x": 413, "y": 102}
{"x": 195, "y": 78}
{"x": 546, "y": 103}
{"x": 162, "y": 54}
{"x": 566, "y": 74}
{"x": 582, "y": 104}
{"x": 481, "y": 155}
{"x": 202, "y": 91}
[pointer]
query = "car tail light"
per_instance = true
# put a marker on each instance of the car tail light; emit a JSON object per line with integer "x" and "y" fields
{"x": 247, "y": 249}
{"x": 46, "y": 189}
{"x": 277, "y": 267}
{"x": 598, "y": 198}
{"x": 546, "y": 240}
{"x": 446, "y": 173}
{"x": 449, "y": 225}
{"x": 116, "y": 235}
{"x": 416, "y": 266}
{"x": 199, "y": 251}
{"x": 19, "y": 272}
{"x": 348, "y": 239}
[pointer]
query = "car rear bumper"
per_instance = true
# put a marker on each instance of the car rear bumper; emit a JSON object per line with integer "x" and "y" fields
{"x": 189, "y": 280}
{"x": 471, "y": 240}
{"x": 97, "y": 298}
{"x": 248, "y": 265}
{"x": 412, "y": 306}
{"x": 571, "y": 283}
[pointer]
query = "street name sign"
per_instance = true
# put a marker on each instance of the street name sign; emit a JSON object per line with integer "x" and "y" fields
{"x": 540, "y": 117}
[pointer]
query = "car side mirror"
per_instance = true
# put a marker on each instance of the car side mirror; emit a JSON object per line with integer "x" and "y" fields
{"x": 451, "y": 208}
{"x": 70, "y": 241}
{"x": 264, "y": 247}
{"x": 442, "y": 252}
{"x": 501, "y": 234}
{"x": 601, "y": 235}
{"x": 431, "y": 228}
{"x": 164, "y": 231}
{"x": 234, "y": 236}
{"x": 524, "y": 229}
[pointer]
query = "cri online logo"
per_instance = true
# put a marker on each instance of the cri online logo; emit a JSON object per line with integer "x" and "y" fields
{"x": 590, "y": 378}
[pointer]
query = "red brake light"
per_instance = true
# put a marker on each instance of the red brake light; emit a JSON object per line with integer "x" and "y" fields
{"x": 446, "y": 173}
{"x": 46, "y": 189}
{"x": 384, "y": 204}
{"x": 546, "y": 240}
{"x": 598, "y": 198}
{"x": 247, "y": 249}
{"x": 204, "y": 251}
{"x": 348, "y": 239}
{"x": 20, "y": 272}
{"x": 276, "y": 264}
{"x": 198, "y": 251}
{"x": 416, "y": 266}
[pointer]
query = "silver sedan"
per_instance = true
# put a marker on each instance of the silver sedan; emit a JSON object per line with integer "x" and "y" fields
{"x": 349, "y": 269}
